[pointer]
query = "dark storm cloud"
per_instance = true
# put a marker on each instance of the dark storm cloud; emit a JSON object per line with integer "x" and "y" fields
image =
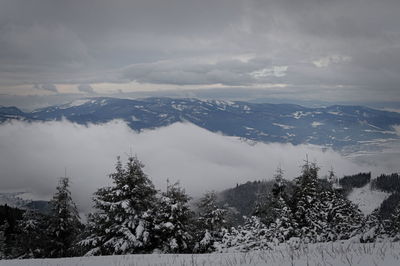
{"x": 336, "y": 43}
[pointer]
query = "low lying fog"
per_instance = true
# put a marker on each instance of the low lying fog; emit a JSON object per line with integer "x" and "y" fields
{"x": 33, "y": 156}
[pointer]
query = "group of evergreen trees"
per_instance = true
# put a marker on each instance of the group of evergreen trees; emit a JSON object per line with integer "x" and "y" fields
{"x": 131, "y": 216}
{"x": 44, "y": 235}
{"x": 315, "y": 211}
{"x": 9, "y": 218}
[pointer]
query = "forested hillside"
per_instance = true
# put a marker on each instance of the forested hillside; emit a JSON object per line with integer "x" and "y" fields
{"x": 131, "y": 216}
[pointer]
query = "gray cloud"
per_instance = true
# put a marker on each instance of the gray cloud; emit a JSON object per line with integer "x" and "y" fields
{"x": 34, "y": 156}
{"x": 47, "y": 87}
{"x": 85, "y": 88}
{"x": 198, "y": 43}
{"x": 193, "y": 72}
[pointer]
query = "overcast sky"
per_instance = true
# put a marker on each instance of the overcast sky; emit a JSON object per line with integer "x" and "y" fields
{"x": 310, "y": 49}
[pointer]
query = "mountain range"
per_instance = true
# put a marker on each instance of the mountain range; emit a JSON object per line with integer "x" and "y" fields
{"x": 334, "y": 126}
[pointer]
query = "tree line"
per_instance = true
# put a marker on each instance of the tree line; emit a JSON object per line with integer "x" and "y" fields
{"x": 131, "y": 216}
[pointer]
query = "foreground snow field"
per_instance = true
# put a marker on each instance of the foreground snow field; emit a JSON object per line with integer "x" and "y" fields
{"x": 344, "y": 253}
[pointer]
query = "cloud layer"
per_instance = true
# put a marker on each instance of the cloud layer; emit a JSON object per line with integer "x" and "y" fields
{"x": 194, "y": 72}
{"x": 324, "y": 49}
{"x": 34, "y": 155}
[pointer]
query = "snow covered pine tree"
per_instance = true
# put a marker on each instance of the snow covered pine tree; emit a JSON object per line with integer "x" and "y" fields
{"x": 309, "y": 209}
{"x": 273, "y": 221}
{"x": 394, "y": 224}
{"x": 373, "y": 229}
{"x": 173, "y": 218}
{"x": 284, "y": 225}
{"x": 322, "y": 213}
{"x": 34, "y": 239}
{"x": 345, "y": 220}
{"x": 211, "y": 221}
{"x": 65, "y": 223}
{"x": 123, "y": 222}
{"x": 316, "y": 212}
{"x": 3, "y": 244}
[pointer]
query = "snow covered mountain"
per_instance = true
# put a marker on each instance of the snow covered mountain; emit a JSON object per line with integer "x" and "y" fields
{"x": 7, "y": 113}
{"x": 337, "y": 126}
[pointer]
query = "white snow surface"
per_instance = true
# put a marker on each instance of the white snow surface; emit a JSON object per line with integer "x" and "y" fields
{"x": 316, "y": 124}
{"x": 299, "y": 114}
{"x": 75, "y": 103}
{"x": 339, "y": 253}
{"x": 283, "y": 126}
{"x": 367, "y": 199}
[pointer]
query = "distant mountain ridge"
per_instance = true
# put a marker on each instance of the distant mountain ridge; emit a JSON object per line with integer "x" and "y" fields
{"x": 335, "y": 126}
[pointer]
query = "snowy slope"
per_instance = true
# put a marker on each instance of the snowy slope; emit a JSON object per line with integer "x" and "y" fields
{"x": 366, "y": 199}
{"x": 317, "y": 254}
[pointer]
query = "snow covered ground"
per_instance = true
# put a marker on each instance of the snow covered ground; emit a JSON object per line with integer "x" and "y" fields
{"x": 366, "y": 199}
{"x": 344, "y": 253}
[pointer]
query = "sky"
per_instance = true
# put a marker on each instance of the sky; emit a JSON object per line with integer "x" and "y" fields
{"x": 35, "y": 155}
{"x": 326, "y": 50}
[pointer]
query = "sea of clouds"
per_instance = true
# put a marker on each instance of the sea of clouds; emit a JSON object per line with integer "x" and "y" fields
{"x": 34, "y": 155}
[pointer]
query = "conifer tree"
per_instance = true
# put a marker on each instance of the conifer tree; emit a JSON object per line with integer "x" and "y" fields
{"x": 394, "y": 224}
{"x": 331, "y": 178}
{"x": 173, "y": 220}
{"x": 345, "y": 220}
{"x": 253, "y": 235}
{"x": 278, "y": 189}
{"x": 373, "y": 228}
{"x": 283, "y": 225}
{"x": 211, "y": 221}
{"x": 322, "y": 213}
{"x": 9, "y": 218}
{"x": 273, "y": 220}
{"x": 65, "y": 223}
{"x": 123, "y": 222}
{"x": 264, "y": 208}
{"x": 34, "y": 238}
{"x": 310, "y": 214}
{"x": 3, "y": 244}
